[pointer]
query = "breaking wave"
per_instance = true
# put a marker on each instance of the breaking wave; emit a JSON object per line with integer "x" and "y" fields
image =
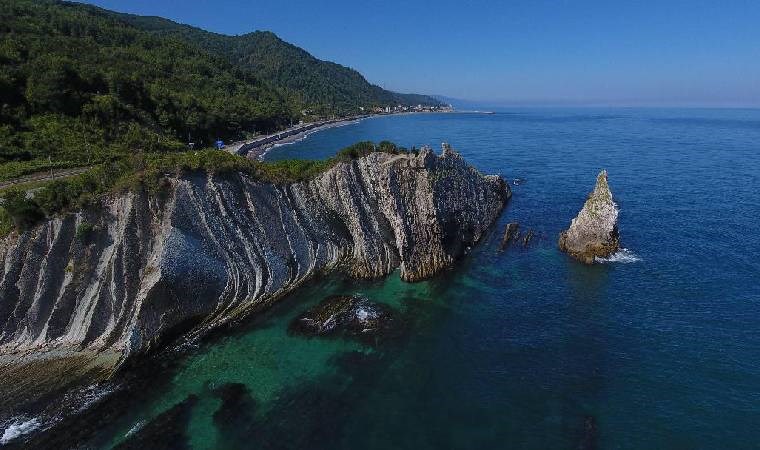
{"x": 623, "y": 255}
{"x": 135, "y": 428}
{"x": 74, "y": 402}
{"x": 18, "y": 427}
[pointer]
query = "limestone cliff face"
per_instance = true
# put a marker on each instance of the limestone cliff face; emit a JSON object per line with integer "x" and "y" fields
{"x": 594, "y": 232}
{"x": 216, "y": 247}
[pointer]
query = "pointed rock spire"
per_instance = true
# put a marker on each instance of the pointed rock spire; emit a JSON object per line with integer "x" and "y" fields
{"x": 594, "y": 232}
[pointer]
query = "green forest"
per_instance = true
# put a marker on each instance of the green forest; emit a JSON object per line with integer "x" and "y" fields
{"x": 121, "y": 96}
{"x": 322, "y": 86}
{"x": 81, "y": 85}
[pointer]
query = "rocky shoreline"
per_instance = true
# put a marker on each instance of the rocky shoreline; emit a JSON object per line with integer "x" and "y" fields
{"x": 216, "y": 247}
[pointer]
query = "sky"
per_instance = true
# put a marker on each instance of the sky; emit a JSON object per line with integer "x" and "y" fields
{"x": 514, "y": 52}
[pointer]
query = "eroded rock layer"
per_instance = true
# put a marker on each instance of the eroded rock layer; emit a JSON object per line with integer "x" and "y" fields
{"x": 216, "y": 246}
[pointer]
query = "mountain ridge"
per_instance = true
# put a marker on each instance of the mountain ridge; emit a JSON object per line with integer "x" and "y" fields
{"x": 273, "y": 59}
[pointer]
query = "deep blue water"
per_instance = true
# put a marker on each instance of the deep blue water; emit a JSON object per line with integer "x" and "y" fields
{"x": 526, "y": 348}
{"x": 663, "y": 352}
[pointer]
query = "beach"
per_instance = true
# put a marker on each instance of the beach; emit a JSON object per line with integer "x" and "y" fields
{"x": 258, "y": 147}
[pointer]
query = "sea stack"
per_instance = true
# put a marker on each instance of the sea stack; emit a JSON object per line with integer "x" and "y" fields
{"x": 594, "y": 232}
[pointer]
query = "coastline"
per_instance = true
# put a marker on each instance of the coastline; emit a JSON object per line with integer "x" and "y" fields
{"x": 259, "y": 147}
{"x": 260, "y": 152}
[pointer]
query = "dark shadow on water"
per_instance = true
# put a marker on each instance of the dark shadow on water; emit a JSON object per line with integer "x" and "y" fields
{"x": 148, "y": 378}
{"x": 235, "y": 415}
{"x": 312, "y": 415}
{"x": 585, "y": 354}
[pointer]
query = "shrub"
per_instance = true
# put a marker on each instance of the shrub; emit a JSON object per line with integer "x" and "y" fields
{"x": 23, "y": 211}
{"x": 84, "y": 230}
{"x": 355, "y": 151}
{"x": 6, "y": 222}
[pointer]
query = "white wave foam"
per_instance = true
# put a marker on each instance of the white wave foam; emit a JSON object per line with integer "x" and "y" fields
{"x": 18, "y": 427}
{"x": 623, "y": 255}
{"x": 135, "y": 428}
{"x": 81, "y": 399}
{"x": 75, "y": 402}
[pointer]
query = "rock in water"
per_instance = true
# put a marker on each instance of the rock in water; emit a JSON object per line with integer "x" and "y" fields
{"x": 528, "y": 237}
{"x": 594, "y": 232}
{"x": 350, "y": 314}
{"x": 510, "y": 232}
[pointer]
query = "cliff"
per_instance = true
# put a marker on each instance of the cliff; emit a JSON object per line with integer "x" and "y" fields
{"x": 594, "y": 232}
{"x": 131, "y": 274}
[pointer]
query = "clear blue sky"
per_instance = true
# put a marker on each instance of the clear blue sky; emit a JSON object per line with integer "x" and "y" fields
{"x": 690, "y": 52}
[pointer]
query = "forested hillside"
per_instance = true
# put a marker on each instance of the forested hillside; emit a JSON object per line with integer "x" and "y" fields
{"x": 76, "y": 85}
{"x": 323, "y": 86}
{"x": 80, "y": 84}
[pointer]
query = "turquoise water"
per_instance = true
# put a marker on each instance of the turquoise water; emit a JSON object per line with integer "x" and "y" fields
{"x": 525, "y": 348}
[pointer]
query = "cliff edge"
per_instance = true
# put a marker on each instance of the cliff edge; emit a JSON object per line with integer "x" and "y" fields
{"x": 130, "y": 275}
{"x": 594, "y": 232}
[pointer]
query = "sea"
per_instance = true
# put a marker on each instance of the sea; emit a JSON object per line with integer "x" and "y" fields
{"x": 656, "y": 347}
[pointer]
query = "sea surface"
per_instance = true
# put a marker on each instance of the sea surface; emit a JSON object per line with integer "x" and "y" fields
{"x": 526, "y": 348}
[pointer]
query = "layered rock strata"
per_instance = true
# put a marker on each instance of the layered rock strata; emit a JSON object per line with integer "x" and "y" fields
{"x": 145, "y": 269}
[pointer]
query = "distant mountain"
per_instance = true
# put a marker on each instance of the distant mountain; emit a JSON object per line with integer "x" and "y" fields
{"x": 459, "y": 103}
{"x": 323, "y": 86}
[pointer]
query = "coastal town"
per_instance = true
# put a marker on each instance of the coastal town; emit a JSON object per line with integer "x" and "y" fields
{"x": 404, "y": 108}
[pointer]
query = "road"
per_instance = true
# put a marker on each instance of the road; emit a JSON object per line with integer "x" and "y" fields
{"x": 44, "y": 176}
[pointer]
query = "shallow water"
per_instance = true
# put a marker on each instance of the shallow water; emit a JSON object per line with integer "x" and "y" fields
{"x": 658, "y": 347}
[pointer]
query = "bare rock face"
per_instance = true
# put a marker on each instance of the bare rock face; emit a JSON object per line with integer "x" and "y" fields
{"x": 594, "y": 232}
{"x": 217, "y": 247}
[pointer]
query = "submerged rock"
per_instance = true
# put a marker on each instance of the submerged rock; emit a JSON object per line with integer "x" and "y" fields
{"x": 167, "y": 431}
{"x": 590, "y": 434}
{"x": 235, "y": 415}
{"x": 594, "y": 232}
{"x": 350, "y": 314}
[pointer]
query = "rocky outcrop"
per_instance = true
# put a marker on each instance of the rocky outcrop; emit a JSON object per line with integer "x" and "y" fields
{"x": 513, "y": 237}
{"x": 594, "y": 232}
{"x": 511, "y": 231}
{"x": 348, "y": 314}
{"x": 141, "y": 269}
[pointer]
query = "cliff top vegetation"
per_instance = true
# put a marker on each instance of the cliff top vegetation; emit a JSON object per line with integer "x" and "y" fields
{"x": 24, "y": 206}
